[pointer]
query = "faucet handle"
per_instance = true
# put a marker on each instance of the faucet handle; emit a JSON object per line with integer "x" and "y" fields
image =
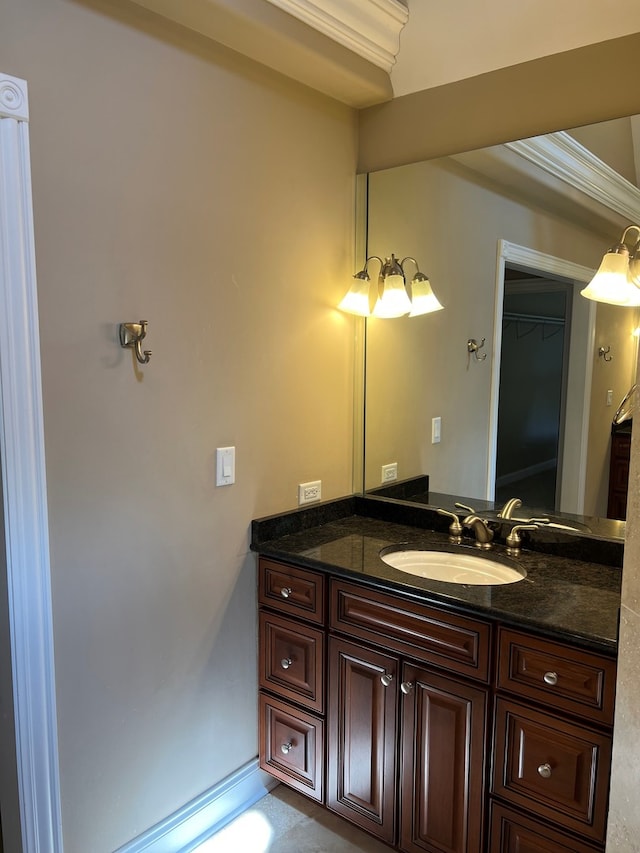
{"x": 455, "y": 528}
{"x": 514, "y": 540}
{"x": 466, "y": 508}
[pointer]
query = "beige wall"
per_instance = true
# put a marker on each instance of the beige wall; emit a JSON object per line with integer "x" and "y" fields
{"x": 451, "y": 220}
{"x": 444, "y": 42}
{"x": 176, "y": 182}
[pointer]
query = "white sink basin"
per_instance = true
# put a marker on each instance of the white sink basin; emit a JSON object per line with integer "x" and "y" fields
{"x": 471, "y": 569}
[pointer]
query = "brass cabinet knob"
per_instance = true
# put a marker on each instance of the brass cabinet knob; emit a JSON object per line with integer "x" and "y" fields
{"x": 545, "y": 771}
{"x": 386, "y": 678}
{"x": 286, "y": 747}
{"x": 550, "y": 678}
{"x": 286, "y": 591}
{"x": 406, "y": 687}
{"x": 285, "y": 663}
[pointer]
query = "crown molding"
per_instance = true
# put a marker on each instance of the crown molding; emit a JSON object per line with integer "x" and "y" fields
{"x": 562, "y": 156}
{"x": 264, "y": 32}
{"x": 370, "y": 28}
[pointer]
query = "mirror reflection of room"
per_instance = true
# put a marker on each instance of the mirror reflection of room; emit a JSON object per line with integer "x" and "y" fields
{"x": 507, "y": 252}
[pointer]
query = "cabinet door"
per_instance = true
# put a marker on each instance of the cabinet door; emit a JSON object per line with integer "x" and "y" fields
{"x": 362, "y": 727}
{"x": 443, "y": 763}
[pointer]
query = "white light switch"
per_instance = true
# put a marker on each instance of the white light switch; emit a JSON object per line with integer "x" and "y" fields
{"x": 225, "y": 466}
{"x": 609, "y": 397}
{"x": 436, "y": 427}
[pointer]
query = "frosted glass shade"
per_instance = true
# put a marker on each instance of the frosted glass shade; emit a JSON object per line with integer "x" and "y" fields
{"x": 611, "y": 284}
{"x": 356, "y": 300}
{"x": 393, "y": 301}
{"x": 423, "y": 299}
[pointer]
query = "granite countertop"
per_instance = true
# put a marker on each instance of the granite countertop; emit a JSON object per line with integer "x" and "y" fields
{"x": 563, "y": 597}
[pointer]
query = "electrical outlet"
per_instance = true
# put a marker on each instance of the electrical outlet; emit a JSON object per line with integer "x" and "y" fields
{"x": 389, "y": 473}
{"x": 309, "y": 493}
{"x": 436, "y": 430}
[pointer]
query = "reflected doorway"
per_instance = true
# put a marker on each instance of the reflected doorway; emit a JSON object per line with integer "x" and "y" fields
{"x": 536, "y": 329}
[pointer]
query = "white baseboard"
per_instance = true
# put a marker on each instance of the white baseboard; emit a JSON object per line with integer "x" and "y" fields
{"x": 514, "y": 476}
{"x": 199, "y": 819}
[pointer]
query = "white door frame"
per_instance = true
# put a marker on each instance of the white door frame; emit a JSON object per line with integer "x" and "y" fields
{"x": 574, "y": 455}
{"x": 24, "y": 487}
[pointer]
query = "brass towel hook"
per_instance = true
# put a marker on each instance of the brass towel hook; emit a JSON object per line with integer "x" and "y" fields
{"x": 132, "y": 335}
{"x": 603, "y": 353}
{"x": 473, "y": 346}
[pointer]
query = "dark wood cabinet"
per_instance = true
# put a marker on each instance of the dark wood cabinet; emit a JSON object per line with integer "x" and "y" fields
{"x": 362, "y": 737}
{"x": 515, "y": 832}
{"x": 552, "y": 744}
{"x": 443, "y": 760}
{"x": 619, "y": 473}
{"x": 557, "y": 769}
{"x": 410, "y": 722}
{"x": 291, "y": 676}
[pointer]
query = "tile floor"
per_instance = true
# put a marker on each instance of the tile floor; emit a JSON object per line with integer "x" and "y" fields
{"x": 287, "y": 822}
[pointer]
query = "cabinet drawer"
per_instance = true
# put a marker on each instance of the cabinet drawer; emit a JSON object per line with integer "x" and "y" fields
{"x": 513, "y": 832}
{"x": 567, "y": 679}
{"x": 411, "y": 628}
{"x": 297, "y": 592}
{"x": 291, "y": 746}
{"x": 292, "y": 660}
{"x": 556, "y": 769}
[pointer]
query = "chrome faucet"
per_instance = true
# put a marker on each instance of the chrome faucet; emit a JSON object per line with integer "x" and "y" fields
{"x": 481, "y": 530}
{"x": 508, "y": 508}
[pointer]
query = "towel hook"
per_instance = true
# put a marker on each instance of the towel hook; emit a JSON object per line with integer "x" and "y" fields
{"x": 473, "y": 346}
{"x": 132, "y": 335}
{"x": 603, "y": 353}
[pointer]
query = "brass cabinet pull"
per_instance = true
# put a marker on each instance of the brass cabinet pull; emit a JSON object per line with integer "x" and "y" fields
{"x": 286, "y": 591}
{"x": 386, "y": 678}
{"x": 550, "y": 678}
{"x": 406, "y": 687}
{"x": 285, "y": 663}
{"x": 545, "y": 771}
{"x": 286, "y": 747}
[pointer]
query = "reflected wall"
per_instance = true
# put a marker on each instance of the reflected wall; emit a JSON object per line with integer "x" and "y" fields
{"x": 450, "y": 218}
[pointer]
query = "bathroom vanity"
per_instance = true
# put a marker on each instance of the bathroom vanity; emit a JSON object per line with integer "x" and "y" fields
{"x": 437, "y": 716}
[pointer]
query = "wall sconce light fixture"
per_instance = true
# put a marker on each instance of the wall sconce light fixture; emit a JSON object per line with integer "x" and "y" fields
{"x": 394, "y": 297}
{"x": 617, "y": 281}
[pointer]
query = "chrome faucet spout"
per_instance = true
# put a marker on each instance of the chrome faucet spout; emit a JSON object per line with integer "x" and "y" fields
{"x": 481, "y": 530}
{"x": 508, "y": 508}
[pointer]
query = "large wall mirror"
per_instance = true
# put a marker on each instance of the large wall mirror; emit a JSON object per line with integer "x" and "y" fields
{"x": 508, "y": 237}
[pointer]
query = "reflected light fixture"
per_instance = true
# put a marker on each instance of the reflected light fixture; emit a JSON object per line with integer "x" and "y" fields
{"x": 617, "y": 281}
{"x": 394, "y": 297}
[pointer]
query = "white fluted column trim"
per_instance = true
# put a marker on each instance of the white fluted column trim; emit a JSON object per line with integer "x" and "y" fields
{"x": 24, "y": 486}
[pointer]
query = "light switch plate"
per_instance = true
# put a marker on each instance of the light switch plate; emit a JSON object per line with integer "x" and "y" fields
{"x": 225, "y": 466}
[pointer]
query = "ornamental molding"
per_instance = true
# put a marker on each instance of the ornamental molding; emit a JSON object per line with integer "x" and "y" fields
{"x": 370, "y": 28}
{"x": 13, "y": 98}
